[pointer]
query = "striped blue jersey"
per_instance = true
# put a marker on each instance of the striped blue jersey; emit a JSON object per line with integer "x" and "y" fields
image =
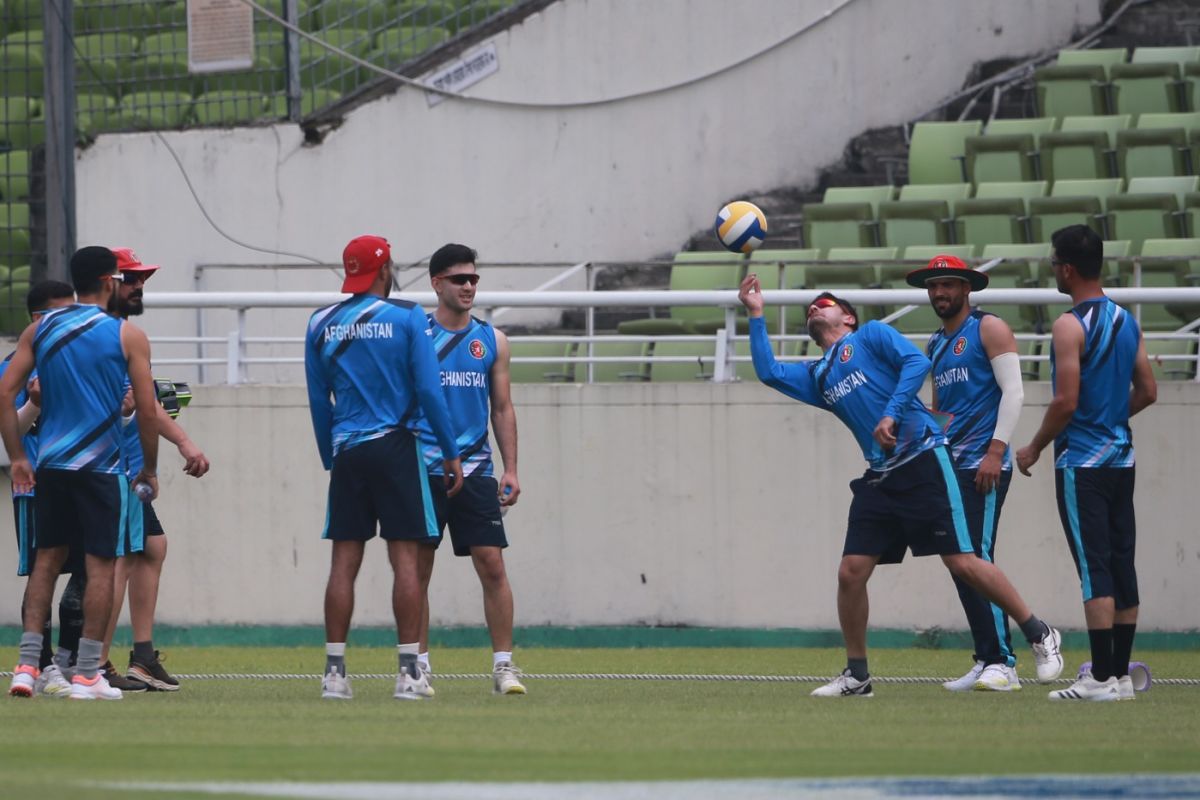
{"x": 29, "y": 440}
{"x": 371, "y": 368}
{"x": 966, "y": 387}
{"x": 1098, "y": 434}
{"x": 869, "y": 374}
{"x": 82, "y": 369}
{"x": 131, "y": 441}
{"x": 465, "y": 358}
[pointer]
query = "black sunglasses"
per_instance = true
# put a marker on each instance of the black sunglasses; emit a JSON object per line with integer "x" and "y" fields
{"x": 133, "y": 278}
{"x": 461, "y": 279}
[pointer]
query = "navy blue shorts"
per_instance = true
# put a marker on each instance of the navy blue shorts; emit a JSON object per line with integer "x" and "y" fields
{"x": 917, "y": 506}
{"x": 472, "y": 515}
{"x": 25, "y": 522}
{"x": 982, "y": 510}
{"x": 1095, "y": 505}
{"x": 85, "y": 510}
{"x": 380, "y": 486}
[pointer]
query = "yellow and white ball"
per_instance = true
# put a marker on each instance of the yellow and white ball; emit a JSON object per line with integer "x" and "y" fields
{"x": 741, "y": 226}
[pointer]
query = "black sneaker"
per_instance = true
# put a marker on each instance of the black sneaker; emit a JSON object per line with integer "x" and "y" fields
{"x": 152, "y": 674}
{"x": 119, "y": 681}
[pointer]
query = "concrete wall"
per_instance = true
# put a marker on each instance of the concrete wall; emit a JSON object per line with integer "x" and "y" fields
{"x": 661, "y": 504}
{"x": 618, "y": 181}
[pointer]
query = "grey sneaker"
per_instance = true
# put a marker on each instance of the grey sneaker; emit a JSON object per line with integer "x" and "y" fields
{"x": 506, "y": 679}
{"x": 52, "y": 683}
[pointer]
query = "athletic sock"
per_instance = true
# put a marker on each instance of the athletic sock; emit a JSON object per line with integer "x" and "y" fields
{"x": 501, "y": 655}
{"x": 408, "y": 658}
{"x": 70, "y": 613}
{"x": 143, "y": 652}
{"x": 46, "y": 655}
{"x": 88, "y": 663}
{"x": 1034, "y": 629}
{"x": 858, "y": 668}
{"x": 335, "y": 658}
{"x": 62, "y": 657}
{"x": 423, "y": 660}
{"x": 1102, "y": 653}
{"x": 31, "y": 649}
{"x": 1122, "y": 648}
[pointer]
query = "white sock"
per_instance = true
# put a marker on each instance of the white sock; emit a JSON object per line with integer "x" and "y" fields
{"x": 501, "y": 655}
{"x": 335, "y": 649}
{"x": 423, "y": 659}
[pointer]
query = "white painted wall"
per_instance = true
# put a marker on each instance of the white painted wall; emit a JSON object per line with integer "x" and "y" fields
{"x": 710, "y": 505}
{"x": 621, "y": 181}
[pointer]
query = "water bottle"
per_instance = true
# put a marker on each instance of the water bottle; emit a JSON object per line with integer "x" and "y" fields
{"x": 504, "y": 508}
{"x": 144, "y": 491}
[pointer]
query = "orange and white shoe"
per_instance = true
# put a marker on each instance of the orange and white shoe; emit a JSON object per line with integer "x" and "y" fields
{"x": 24, "y": 681}
{"x": 95, "y": 688}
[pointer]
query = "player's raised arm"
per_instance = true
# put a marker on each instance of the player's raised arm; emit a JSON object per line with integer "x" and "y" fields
{"x": 793, "y": 380}
{"x": 504, "y": 421}
{"x": 19, "y": 368}
{"x": 145, "y": 401}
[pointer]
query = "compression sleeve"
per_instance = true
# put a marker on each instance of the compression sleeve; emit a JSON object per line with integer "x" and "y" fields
{"x": 1006, "y": 368}
{"x": 319, "y": 404}
{"x": 794, "y": 380}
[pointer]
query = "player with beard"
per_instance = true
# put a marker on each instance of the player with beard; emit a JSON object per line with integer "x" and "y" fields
{"x": 909, "y": 497}
{"x": 142, "y": 570}
{"x": 977, "y": 384}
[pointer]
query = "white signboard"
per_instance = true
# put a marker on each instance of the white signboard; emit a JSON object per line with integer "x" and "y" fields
{"x": 220, "y": 35}
{"x": 467, "y": 71}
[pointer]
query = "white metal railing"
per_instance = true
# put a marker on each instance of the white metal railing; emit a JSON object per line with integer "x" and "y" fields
{"x": 723, "y": 359}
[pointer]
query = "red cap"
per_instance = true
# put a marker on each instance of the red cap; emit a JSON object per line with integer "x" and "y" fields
{"x": 948, "y": 267}
{"x": 363, "y": 258}
{"x": 127, "y": 261}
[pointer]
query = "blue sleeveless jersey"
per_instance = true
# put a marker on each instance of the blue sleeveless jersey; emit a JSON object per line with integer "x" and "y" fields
{"x": 1098, "y": 435}
{"x": 375, "y": 357}
{"x": 465, "y": 358}
{"x": 869, "y": 374}
{"x": 966, "y": 387}
{"x": 131, "y": 441}
{"x": 82, "y": 370}
{"x": 29, "y": 440}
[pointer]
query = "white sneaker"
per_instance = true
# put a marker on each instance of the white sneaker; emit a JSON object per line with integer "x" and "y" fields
{"x": 53, "y": 683}
{"x": 410, "y": 688}
{"x": 24, "y": 681}
{"x": 1125, "y": 688}
{"x": 505, "y": 679}
{"x": 998, "y": 678}
{"x": 966, "y": 682}
{"x": 95, "y": 689}
{"x": 336, "y": 686}
{"x": 1088, "y": 688}
{"x": 845, "y": 685}
{"x": 1047, "y": 654}
{"x": 427, "y": 671}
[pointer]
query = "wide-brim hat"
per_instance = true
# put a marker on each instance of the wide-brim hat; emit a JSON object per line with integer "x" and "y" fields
{"x": 947, "y": 267}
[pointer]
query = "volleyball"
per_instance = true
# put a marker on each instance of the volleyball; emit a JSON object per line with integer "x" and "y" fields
{"x": 741, "y": 226}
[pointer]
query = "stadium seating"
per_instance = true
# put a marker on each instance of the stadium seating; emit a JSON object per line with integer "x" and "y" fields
{"x": 995, "y": 157}
{"x": 937, "y": 151}
{"x": 1183, "y": 272}
{"x": 981, "y": 221}
{"x": 1140, "y": 88}
{"x": 1166, "y": 55}
{"x": 14, "y": 175}
{"x": 1070, "y": 90}
{"x": 781, "y": 269}
{"x": 694, "y": 271}
{"x": 21, "y": 69}
{"x": 1100, "y": 57}
{"x": 1191, "y": 214}
{"x": 159, "y": 73}
{"x": 635, "y": 368}
{"x": 14, "y": 234}
{"x": 113, "y": 15}
{"x": 1022, "y": 190}
{"x": 874, "y": 195}
{"x": 829, "y": 225}
{"x": 1102, "y": 188}
{"x": 906, "y": 222}
{"x": 947, "y": 193}
{"x": 1152, "y": 152}
{"x": 230, "y": 108}
{"x": 864, "y": 273}
{"x": 1191, "y": 85}
{"x": 1048, "y": 214}
{"x": 354, "y": 14}
{"x": 397, "y": 45}
{"x": 697, "y": 367}
{"x": 559, "y": 371}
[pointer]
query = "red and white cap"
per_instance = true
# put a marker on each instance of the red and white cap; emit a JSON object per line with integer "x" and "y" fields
{"x": 127, "y": 261}
{"x": 362, "y": 259}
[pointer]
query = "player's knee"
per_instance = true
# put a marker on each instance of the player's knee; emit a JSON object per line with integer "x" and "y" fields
{"x": 851, "y": 574}
{"x": 489, "y": 563}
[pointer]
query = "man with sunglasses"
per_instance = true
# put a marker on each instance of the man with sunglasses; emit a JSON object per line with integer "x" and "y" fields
{"x": 370, "y": 364}
{"x": 473, "y": 358}
{"x": 977, "y": 385}
{"x": 83, "y": 357}
{"x": 908, "y": 498}
{"x": 1099, "y": 345}
{"x": 141, "y": 570}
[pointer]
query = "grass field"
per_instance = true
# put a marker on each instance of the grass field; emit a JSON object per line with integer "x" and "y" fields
{"x": 586, "y": 730}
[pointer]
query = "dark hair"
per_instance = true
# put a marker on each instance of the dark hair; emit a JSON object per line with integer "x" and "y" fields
{"x": 448, "y": 255}
{"x": 845, "y": 306}
{"x": 1081, "y": 247}
{"x": 42, "y": 292}
{"x": 89, "y": 265}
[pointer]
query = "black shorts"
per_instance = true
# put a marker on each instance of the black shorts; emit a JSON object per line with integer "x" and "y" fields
{"x": 380, "y": 484}
{"x": 916, "y": 506}
{"x": 84, "y": 510}
{"x": 25, "y": 522}
{"x": 1095, "y": 505}
{"x": 150, "y": 523}
{"x": 982, "y": 510}
{"x": 473, "y": 515}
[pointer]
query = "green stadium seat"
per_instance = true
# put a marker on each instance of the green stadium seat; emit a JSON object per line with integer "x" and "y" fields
{"x": 864, "y": 273}
{"x": 1034, "y": 126}
{"x": 14, "y": 175}
{"x": 397, "y": 45}
{"x": 13, "y": 316}
{"x": 693, "y": 271}
{"x": 1022, "y": 190}
{"x": 996, "y": 157}
{"x": 1171, "y": 359}
{"x": 1108, "y": 124}
{"x": 1021, "y": 268}
{"x": 860, "y": 194}
{"x": 1075, "y": 155}
{"x": 559, "y": 371}
{"x": 1070, "y": 90}
{"x": 781, "y": 269}
{"x": 372, "y": 14}
{"x": 1191, "y": 85}
{"x": 169, "y": 44}
{"x": 470, "y": 14}
{"x": 1048, "y": 214}
{"x": 308, "y": 17}
{"x": 25, "y": 15}
{"x": 14, "y": 234}
{"x": 421, "y": 13}
{"x": 948, "y": 193}
{"x": 982, "y": 221}
{"x": 230, "y": 108}
{"x": 20, "y": 273}
{"x": 924, "y": 252}
{"x": 99, "y": 75}
{"x": 1183, "y": 272}
{"x": 312, "y": 100}
{"x": 1114, "y": 251}
{"x": 1188, "y": 120}
{"x": 1191, "y": 214}
{"x": 112, "y": 45}
{"x": 697, "y": 367}
{"x": 157, "y": 109}
{"x": 1138, "y": 217}
{"x": 829, "y": 225}
{"x": 1099, "y": 57}
{"x": 1102, "y": 188}
{"x": 17, "y": 115}
{"x": 1177, "y": 186}
{"x": 92, "y": 111}
{"x": 263, "y": 78}
{"x": 159, "y": 73}
{"x": 1166, "y": 55}
{"x": 631, "y": 367}
{"x": 1156, "y": 316}
{"x": 905, "y": 222}
{"x": 1153, "y": 152}
{"x": 21, "y": 69}
{"x": 172, "y": 14}
{"x": 1141, "y": 88}
{"x": 114, "y": 15}
{"x": 321, "y": 66}
{"x": 937, "y": 150}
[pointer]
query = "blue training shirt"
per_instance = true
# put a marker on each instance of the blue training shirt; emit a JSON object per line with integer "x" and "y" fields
{"x": 82, "y": 369}
{"x": 1098, "y": 434}
{"x": 869, "y": 374}
{"x": 375, "y": 358}
{"x": 29, "y": 440}
{"x": 465, "y": 359}
{"x": 966, "y": 387}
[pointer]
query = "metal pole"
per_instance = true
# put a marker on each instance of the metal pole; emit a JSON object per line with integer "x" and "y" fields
{"x": 59, "y": 111}
{"x": 291, "y": 13}
{"x": 589, "y": 317}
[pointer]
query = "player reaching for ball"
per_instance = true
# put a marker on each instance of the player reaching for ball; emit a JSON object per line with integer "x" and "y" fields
{"x": 908, "y": 498}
